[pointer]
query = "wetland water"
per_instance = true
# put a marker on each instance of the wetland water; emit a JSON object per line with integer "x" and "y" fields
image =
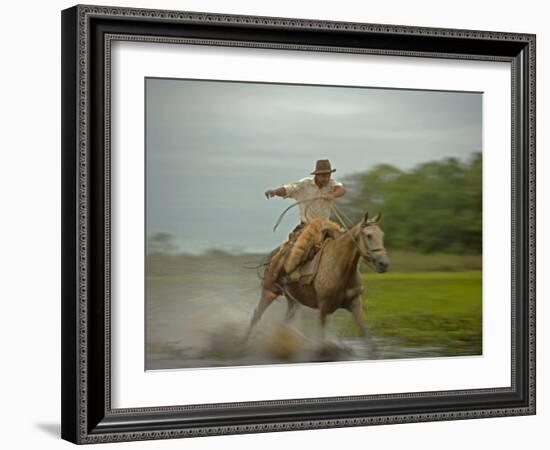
{"x": 198, "y": 309}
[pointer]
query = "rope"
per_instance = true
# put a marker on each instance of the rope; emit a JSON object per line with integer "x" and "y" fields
{"x": 292, "y": 206}
{"x": 338, "y": 213}
{"x": 342, "y": 213}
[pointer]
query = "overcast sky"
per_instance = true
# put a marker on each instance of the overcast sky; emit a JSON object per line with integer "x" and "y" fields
{"x": 213, "y": 148}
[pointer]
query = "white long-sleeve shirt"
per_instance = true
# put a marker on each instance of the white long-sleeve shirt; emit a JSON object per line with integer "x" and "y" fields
{"x": 306, "y": 189}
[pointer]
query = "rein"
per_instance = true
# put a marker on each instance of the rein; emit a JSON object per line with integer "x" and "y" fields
{"x": 368, "y": 257}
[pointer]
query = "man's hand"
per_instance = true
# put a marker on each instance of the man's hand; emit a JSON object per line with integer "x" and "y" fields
{"x": 279, "y": 192}
{"x": 338, "y": 191}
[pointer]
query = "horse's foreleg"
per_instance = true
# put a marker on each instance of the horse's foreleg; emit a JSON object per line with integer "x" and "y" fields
{"x": 266, "y": 300}
{"x": 292, "y": 307}
{"x": 356, "y": 309}
{"x": 323, "y": 322}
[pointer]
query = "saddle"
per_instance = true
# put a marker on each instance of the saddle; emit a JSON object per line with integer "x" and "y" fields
{"x": 302, "y": 262}
{"x": 307, "y": 272}
{"x": 307, "y": 241}
{"x": 298, "y": 259}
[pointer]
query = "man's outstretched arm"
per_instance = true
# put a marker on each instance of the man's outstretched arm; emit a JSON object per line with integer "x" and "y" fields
{"x": 279, "y": 192}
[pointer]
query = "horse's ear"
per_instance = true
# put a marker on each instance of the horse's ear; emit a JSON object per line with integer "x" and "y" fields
{"x": 365, "y": 219}
{"x": 377, "y": 218}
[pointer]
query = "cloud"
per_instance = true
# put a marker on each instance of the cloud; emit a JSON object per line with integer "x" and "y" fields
{"x": 214, "y": 147}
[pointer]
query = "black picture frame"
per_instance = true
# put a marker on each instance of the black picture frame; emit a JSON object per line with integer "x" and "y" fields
{"x": 87, "y": 415}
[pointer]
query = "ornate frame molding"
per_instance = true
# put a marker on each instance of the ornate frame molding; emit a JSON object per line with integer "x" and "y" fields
{"x": 80, "y": 61}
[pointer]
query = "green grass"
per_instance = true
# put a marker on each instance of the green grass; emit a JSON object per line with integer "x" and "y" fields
{"x": 404, "y": 261}
{"x": 440, "y": 309}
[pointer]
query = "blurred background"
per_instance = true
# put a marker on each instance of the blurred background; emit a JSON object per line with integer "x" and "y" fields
{"x": 213, "y": 148}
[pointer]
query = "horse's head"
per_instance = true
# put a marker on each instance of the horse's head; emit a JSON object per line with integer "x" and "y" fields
{"x": 371, "y": 243}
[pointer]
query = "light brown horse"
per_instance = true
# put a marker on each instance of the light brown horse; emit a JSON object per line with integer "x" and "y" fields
{"x": 338, "y": 282}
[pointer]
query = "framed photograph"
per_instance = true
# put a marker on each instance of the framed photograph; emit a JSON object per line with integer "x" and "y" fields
{"x": 279, "y": 224}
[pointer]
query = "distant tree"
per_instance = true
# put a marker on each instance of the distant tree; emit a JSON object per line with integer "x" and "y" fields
{"x": 162, "y": 243}
{"x": 436, "y": 207}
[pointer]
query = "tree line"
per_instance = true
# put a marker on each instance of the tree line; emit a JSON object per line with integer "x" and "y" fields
{"x": 435, "y": 207}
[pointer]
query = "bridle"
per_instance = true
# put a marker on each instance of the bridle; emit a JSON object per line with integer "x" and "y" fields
{"x": 368, "y": 257}
{"x": 370, "y": 251}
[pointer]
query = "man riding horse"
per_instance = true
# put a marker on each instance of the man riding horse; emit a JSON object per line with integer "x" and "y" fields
{"x": 315, "y": 195}
{"x": 331, "y": 280}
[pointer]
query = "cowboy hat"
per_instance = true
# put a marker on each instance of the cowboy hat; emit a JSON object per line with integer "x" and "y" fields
{"x": 322, "y": 166}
